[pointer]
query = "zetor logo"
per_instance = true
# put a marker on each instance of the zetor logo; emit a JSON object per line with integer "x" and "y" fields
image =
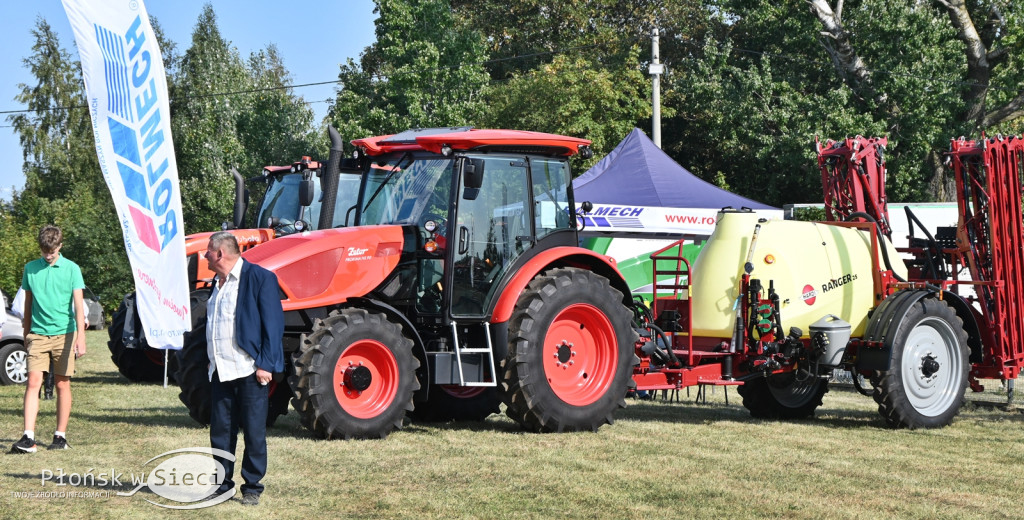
{"x": 144, "y": 153}
{"x": 355, "y": 254}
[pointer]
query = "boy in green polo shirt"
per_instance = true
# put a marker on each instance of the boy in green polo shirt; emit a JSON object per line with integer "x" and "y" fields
{"x": 54, "y": 323}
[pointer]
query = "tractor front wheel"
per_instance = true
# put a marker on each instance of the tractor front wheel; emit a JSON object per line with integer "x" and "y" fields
{"x": 926, "y": 382}
{"x": 783, "y": 396}
{"x": 570, "y": 353}
{"x": 354, "y": 376}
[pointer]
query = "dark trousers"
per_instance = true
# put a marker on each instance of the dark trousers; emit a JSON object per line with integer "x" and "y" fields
{"x": 241, "y": 403}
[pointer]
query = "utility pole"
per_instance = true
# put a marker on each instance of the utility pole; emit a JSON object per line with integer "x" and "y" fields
{"x": 656, "y": 70}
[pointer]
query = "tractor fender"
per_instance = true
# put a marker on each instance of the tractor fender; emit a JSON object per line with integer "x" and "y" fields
{"x": 419, "y": 349}
{"x": 564, "y": 256}
{"x": 887, "y": 319}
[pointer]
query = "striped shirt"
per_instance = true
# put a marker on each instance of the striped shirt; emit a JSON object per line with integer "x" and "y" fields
{"x": 226, "y": 357}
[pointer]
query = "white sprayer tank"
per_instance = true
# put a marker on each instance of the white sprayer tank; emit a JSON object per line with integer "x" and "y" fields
{"x": 818, "y": 270}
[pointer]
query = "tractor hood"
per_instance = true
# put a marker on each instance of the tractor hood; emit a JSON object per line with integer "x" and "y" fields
{"x": 321, "y": 268}
{"x": 195, "y": 248}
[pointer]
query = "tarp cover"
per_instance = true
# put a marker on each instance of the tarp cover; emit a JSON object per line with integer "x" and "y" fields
{"x": 638, "y": 173}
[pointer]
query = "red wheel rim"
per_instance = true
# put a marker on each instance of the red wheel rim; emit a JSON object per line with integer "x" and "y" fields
{"x": 383, "y": 369}
{"x": 579, "y": 355}
{"x": 155, "y": 356}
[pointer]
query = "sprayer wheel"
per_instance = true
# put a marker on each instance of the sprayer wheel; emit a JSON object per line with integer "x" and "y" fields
{"x": 926, "y": 383}
{"x": 783, "y": 396}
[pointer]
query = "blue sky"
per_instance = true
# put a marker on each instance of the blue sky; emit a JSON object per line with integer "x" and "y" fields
{"x": 313, "y": 36}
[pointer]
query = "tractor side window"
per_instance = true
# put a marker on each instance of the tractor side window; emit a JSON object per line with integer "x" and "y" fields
{"x": 348, "y": 195}
{"x": 550, "y": 195}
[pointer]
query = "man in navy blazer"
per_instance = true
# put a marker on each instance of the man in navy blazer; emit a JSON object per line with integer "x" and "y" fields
{"x": 244, "y": 326}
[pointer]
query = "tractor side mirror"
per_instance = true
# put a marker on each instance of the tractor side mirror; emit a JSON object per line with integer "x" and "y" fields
{"x": 306, "y": 192}
{"x": 474, "y": 173}
{"x": 473, "y": 178}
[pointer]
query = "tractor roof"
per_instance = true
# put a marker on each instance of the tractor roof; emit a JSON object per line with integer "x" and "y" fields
{"x": 467, "y": 138}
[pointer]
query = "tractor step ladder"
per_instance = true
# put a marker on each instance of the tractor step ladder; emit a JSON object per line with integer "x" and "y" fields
{"x": 670, "y": 262}
{"x": 489, "y": 351}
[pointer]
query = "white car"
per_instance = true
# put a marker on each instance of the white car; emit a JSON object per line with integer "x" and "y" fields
{"x": 13, "y": 355}
{"x": 94, "y": 318}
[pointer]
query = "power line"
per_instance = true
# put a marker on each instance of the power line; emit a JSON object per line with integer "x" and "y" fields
{"x": 379, "y": 76}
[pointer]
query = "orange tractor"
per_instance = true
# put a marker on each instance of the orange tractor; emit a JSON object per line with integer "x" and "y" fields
{"x": 455, "y": 283}
{"x": 296, "y": 197}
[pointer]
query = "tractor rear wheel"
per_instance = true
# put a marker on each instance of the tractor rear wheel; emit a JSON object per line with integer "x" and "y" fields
{"x": 141, "y": 363}
{"x": 193, "y": 363}
{"x": 926, "y": 382}
{"x": 354, "y": 376}
{"x": 457, "y": 403}
{"x": 194, "y": 376}
{"x": 783, "y": 396}
{"x": 570, "y": 353}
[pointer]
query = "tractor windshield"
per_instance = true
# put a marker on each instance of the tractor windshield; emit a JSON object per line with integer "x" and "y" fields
{"x": 281, "y": 200}
{"x": 403, "y": 191}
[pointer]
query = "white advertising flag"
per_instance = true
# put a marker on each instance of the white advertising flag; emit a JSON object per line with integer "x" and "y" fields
{"x": 126, "y": 90}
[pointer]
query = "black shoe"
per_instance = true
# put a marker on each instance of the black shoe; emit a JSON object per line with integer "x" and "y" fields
{"x": 59, "y": 443}
{"x": 24, "y": 445}
{"x": 250, "y": 499}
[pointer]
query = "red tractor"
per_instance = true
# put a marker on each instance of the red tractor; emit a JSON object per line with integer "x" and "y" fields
{"x": 459, "y": 284}
{"x": 298, "y": 197}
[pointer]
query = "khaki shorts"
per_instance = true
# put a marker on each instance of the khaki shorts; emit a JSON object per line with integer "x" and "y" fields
{"x": 59, "y": 349}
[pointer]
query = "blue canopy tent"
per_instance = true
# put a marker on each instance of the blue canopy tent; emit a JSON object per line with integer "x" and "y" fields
{"x": 638, "y": 173}
{"x": 643, "y": 200}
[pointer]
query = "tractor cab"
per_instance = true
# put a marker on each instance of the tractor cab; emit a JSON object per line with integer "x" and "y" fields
{"x": 476, "y": 206}
{"x": 294, "y": 196}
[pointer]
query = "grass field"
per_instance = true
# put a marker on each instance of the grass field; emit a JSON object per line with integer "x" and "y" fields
{"x": 659, "y": 460}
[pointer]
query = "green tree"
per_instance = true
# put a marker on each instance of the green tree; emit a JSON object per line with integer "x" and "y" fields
{"x": 575, "y": 67}
{"x": 423, "y": 71}
{"x": 204, "y": 124}
{"x": 63, "y": 182}
{"x": 953, "y": 71}
{"x": 568, "y": 96}
{"x": 56, "y": 132}
{"x": 278, "y": 126}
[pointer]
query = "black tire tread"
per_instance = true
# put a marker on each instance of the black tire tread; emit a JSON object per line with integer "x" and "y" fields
{"x": 311, "y": 376}
{"x": 133, "y": 363}
{"x": 893, "y": 406}
{"x": 762, "y": 404}
{"x": 528, "y": 398}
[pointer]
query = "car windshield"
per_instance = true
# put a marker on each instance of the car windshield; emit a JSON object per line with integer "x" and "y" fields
{"x": 407, "y": 190}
